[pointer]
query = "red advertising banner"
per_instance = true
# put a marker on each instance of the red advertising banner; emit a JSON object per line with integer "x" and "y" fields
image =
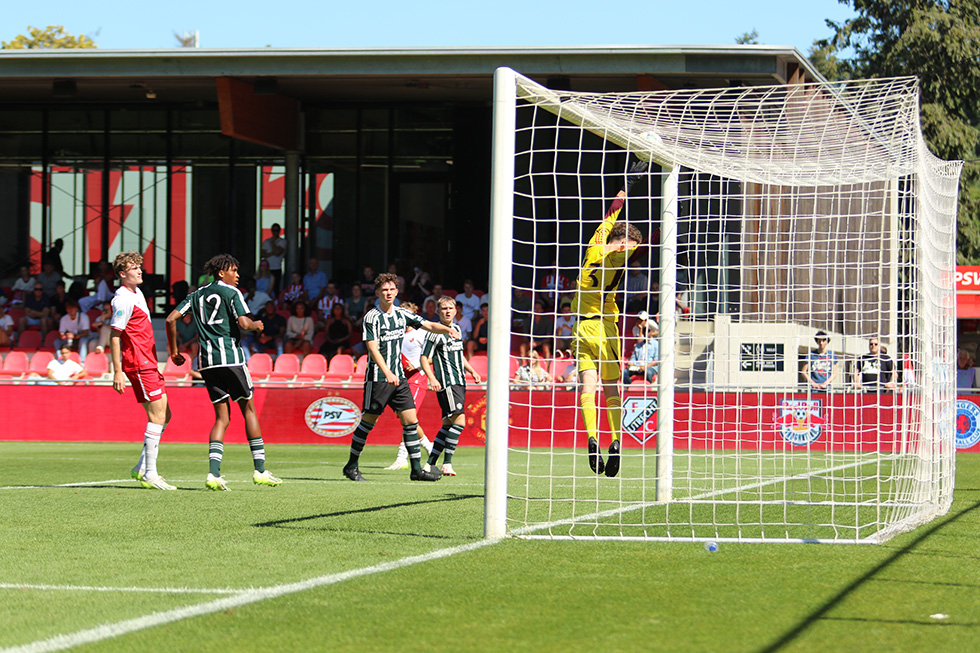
{"x": 745, "y": 421}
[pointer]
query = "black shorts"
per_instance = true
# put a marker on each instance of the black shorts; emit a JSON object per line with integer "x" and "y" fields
{"x": 378, "y": 394}
{"x": 452, "y": 400}
{"x": 223, "y": 383}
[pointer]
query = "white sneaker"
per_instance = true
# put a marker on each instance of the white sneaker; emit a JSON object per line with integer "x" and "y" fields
{"x": 447, "y": 470}
{"x": 216, "y": 483}
{"x": 426, "y": 467}
{"x": 155, "y": 483}
{"x": 265, "y": 478}
{"x": 401, "y": 463}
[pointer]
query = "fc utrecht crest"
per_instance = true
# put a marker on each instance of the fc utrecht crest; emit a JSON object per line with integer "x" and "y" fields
{"x": 640, "y": 418}
{"x": 799, "y": 421}
{"x": 333, "y": 417}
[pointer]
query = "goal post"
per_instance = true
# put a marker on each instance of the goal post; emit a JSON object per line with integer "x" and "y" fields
{"x": 790, "y": 235}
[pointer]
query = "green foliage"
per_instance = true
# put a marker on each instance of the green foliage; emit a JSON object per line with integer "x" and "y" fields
{"x": 50, "y": 38}
{"x": 748, "y": 38}
{"x": 939, "y": 42}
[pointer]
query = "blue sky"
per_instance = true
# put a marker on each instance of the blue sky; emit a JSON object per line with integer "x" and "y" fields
{"x": 436, "y": 23}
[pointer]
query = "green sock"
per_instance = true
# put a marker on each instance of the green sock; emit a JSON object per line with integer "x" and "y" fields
{"x": 410, "y": 435}
{"x": 215, "y": 450}
{"x": 258, "y": 454}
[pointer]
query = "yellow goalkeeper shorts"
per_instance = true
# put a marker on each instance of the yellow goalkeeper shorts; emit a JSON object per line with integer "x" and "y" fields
{"x": 596, "y": 345}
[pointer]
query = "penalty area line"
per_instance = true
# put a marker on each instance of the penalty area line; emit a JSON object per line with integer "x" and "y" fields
{"x": 109, "y": 631}
{"x": 134, "y": 590}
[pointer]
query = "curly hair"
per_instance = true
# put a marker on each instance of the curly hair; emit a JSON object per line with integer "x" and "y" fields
{"x": 624, "y": 231}
{"x": 410, "y": 307}
{"x": 383, "y": 278}
{"x": 126, "y": 260}
{"x": 219, "y": 263}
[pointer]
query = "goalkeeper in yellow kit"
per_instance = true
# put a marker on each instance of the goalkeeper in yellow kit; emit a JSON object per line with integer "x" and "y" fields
{"x": 596, "y": 339}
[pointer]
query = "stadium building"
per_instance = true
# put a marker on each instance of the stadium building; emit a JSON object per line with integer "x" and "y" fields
{"x": 365, "y": 156}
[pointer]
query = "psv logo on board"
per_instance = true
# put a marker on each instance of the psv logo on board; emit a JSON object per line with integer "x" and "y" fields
{"x": 799, "y": 421}
{"x": 333, "y": 417}
{"x": 640, "y": 418}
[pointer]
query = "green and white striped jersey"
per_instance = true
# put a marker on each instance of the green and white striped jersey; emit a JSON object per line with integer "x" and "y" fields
{"x": 446, "y": 354}
{"x": 216, "y": 308}
{"x": 388, "y": 330}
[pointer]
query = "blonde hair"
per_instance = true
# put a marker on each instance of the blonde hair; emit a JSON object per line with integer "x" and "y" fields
{"x": 126, "y": 260}
{"x": 446, "y": 300}
{"x": 410, "y": 307}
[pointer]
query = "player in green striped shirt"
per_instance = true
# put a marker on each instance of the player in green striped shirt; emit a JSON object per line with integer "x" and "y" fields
{"x": 221, "y": 315}
{"x": 446, "y": 368}
{"x": 384, "y": 380}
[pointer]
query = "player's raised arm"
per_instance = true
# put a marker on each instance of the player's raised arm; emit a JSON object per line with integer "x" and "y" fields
{"x": 245, "y": 323}
{"x": 438, "y": 327}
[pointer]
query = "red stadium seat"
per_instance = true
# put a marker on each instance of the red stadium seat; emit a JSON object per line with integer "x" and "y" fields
{"x": 39, "y": 363}
{"x": 93, "y": 315}
{"x": 341, "y": 368}
{"x": 172, "y": 371}
{"x": 260, "y": 366}
{"x": 318, "y": 340}
{"x": 286, "y": 367}
{"x": 96, "y": 364}
{"x": 480, "y": 364}
{"x": 29, "y": 341}
{"x": 15, "y": 365}
{"x": 360, "y": 369}
{"x": 49, "y": 340}
{"x": 515, "y": 362}
{"x": 314, "y": 367}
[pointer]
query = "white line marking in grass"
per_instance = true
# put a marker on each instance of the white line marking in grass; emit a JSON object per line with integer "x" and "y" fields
{"x": 136, "y": 590}
{"x": 79, "y": 484}
{"x": 108, "y": 631}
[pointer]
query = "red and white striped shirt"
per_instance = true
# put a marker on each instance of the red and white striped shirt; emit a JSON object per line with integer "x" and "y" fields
{"x": 131, "y": 316}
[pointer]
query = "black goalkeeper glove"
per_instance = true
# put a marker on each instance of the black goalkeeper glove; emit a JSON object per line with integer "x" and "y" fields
{"x": 636, "y": 172}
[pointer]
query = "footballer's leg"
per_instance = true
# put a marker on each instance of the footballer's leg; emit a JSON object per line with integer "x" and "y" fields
{"x": 610, "y": 389}
{"x": 454, "y": 430}
{"x": 587, "y": 352}
{"x": 410, "y": 423}
{"x": 358, "y": 440}
{"x": 157, "y": 415}
{"x": 253, "y": 432}
{"x": 216, "y": 445}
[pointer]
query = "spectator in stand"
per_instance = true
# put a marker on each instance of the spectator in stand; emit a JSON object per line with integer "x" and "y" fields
{"x": 103, "y": 272}
{"x": 399, "y": 279}
{"x": 966, "y": 374}
{"x": 188, "y": 338}
{"x": 273, "y": 331}
{"x": 637, "y": 288}
{"x": 328, "y": 301}
{"x": 58, "y": 301}
{"x": 462, "y": 322}
{"x": 73, "y": 329}
{"x": 532, "y": 373}
{"x": 255, "y": 299}
{"x": 521, "y": 309}
{"x": 645, "y": 359}
{"x": 53, "y": 256}
{"x": 367, "y": 281}
{"x": 299, "y": 330}
{"x": 554, "y": 284}
{"x": 470, "y": 301}
{"x": 101, "y": 329}
{"x": 104, "y": 292}
{"x": 820, "y": 368}
{"x": 478, "y": 343}
{"x": 273, "y": 250}
{"x": 542, "y": 332}
{"x": 37, "y": 311}
{"x": 264, "y": 281}
{"x": 430, "y": 314}
{"x": 7, "y": 338}
{"x": 315, "y": 282}
{"x": 356, "y": 304}
{"x": 63, "y": 369}
{"x": 564, "y": 327}
{"x": 22, "y": 286}
{"x": 435, "y": 296}
{"x": 875, "y": 370}
{"x": 339, "y": 329}
{"x": 683, "y": 310}
{"x": 3, "y": 297}
{"x": 294, "y": 291}
{"x": 421, "y": 285}
{"x": 49, "y": 278}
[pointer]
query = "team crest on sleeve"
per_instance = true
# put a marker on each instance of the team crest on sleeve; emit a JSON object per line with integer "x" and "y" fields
{"x": 799, "y": 421}
{"x": 640, "y": 418}
{"x": 332, "y": 417}
{"x": 967, "y": 424}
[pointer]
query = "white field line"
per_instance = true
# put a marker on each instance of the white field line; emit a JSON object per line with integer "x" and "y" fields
{"x": 135, "y": 590}
{"x": 109, "y": 631}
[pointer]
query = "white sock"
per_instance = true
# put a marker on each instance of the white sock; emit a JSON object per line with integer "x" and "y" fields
{"x": 427, "y": 444}
{"x": 151, "y": 444}
{"x": 141, "y": 463}
{"x": 402, "y": 453}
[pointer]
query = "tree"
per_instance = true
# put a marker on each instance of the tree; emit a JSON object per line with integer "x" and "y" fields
{"x": 748, "y": 38}
{"x": 52, "y": 37}
{"x": 939, "y": 42}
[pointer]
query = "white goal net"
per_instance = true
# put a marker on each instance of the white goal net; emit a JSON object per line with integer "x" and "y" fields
{"x": 795, "y": 270}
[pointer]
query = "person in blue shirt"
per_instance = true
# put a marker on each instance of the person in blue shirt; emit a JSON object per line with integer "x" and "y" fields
{"x": 820, "y": 368}
{"x": 645, "y": 359}
{"x": 315, "y": 282}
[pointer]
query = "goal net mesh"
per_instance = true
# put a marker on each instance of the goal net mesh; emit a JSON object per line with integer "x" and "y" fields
{"x": 771, "y": 217}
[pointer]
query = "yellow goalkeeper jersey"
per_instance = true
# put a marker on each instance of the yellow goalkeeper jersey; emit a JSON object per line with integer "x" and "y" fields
{"x": 599, "y": 278}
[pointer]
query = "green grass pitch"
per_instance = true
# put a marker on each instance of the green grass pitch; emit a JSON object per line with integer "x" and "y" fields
{"x": 398, "y": 565}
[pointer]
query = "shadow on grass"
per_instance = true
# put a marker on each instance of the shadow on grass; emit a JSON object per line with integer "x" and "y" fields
{"x": 286, "y": 523}
{"x": 821, "y": 613}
